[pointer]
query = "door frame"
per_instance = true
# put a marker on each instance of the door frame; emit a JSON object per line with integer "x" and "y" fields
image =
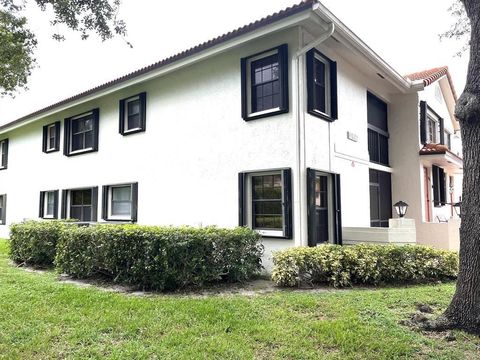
{"x": 336, "y": 217}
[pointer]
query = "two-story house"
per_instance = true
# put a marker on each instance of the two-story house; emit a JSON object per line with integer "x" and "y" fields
{"x": 290, "y": 125}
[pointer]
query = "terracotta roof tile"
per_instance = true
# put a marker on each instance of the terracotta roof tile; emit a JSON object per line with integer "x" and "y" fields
{"x": 430, "y": 76}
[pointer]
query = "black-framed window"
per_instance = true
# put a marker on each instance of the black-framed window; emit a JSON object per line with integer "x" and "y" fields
{"x": 265, "y": 202}
{"x": 321, "y": 86}
{"x": 80, "y": 204}
{"x": 439, "y": 186}
{"x": 3, "y": 209}
{"x": 51, "y": 137}
{"x": 48, "y": 204}
{"x": 377, "y": 118}
{"x": 265, "y": 83}
{"x": 133, "y": 112}
{"x": 81, "y": 133}
{"x": 432, "y": 129}
{"x": 120, "y": 202}
{"x": 3, "y": 154}
{"x": 380, "y": 198}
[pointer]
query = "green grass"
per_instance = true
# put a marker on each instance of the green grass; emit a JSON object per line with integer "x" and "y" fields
{"x": 41, "y": 318}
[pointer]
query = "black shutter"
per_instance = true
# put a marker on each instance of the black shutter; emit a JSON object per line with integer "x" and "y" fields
{"x": 42, "y": 204}
{"x": 283, "y": 61}
{"x": 121, "y": 118}
{"x": 442, "y": 131}
{"x": 4, "y": 208}
{"x": 436, "y": 185}
{"x": 66, "y": 136}
{"x": 105, "y": 202}
{"x": 337, "y": 208}
{"x": 5, "y": 164}
{"x": 63, "y": 211}
{"x": 423, "y": 122}
{"x": 242, "y": 206}
{"x": 310, "y": 81}
{"x": 57, "y": 135}
{"x": 55, "y": 204}
{"x": 143, "y": 110}
{"x": 287, "y": 203}
{"x": 94, "y": 203}
{"x": 134, "y": 202}
{"x": 311, "y": 207}
{"x": 243, "y": 70}
{"x": 96, "y": 116}
{"x": 44, "y": 139}
{"x": 333, "y": 90}
{"x": 442, "y": 186}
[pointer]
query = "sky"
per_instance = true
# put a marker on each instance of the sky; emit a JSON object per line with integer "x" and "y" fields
{"x": 404, "y": 33}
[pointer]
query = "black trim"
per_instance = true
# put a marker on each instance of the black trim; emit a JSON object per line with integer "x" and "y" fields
{"x": 94, "y": 203}
{"x": 4, "y": 209}
{"x": 63, "y": 211}
{"x": 442, "y": 130}
{"x": 134, "y": 202}
{"x": 55, "y": 206}
{"x": 311, "y": 87}
{"x": 104, "y": 202}
{"x": 67, "y": 131}
{"x": 439, "y": 186}
{"x": 337, "y": 208}
{"x": 45, "y": 137}
{"x": 4, "y": 166}
{"x": 311, "y": 206}
{"x": 41, "y": 210}
{"x": 423, "y": 122}
{"x": 42, "y": 204}
{"x": 242, "y": 205}
{"x": 143, "y": 114}
{"x": 287, "y": 203}
{"x": 283, "y": 78}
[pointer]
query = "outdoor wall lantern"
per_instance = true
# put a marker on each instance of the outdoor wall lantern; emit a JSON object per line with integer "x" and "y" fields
{"x": 401, "y": 208}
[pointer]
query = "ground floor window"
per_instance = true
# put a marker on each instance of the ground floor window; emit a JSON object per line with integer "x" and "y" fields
{"x": 265, "y": 202}
{"x": 120, "y": 202}
{"x": 380, "y": 198}
{"x": 3, "y": 209}
{"x": 48, "y": 204}
{"x": 80, "y": 204}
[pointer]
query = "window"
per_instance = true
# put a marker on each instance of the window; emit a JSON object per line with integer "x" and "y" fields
{"x": 51, "y": 137}
{"x": 81, "y": 133}
{"x": 265, "y": 83}
{"x": 380, "y": 198}
{"x": 120, "y": 202}
{"x": 133, "y": 114}
{"x": 3, "y": 209}
{"x": 265, "y": 202}
{"x": 439, "y": 186}
{"x": 432, "y": 129}
{"x": 377, "y": 116}
{"x": 80, "y": 204}
{"x": 48, "y": 204}
{"x": 448, "y": 140}
{"x": 3, "y": 154}
{"x": 322, "y": 86}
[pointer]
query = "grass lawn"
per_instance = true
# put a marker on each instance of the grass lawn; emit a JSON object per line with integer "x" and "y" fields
{"x": 41, "y": 318}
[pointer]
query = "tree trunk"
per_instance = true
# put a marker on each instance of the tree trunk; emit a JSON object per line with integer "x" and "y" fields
{"x": 464, "y": 310}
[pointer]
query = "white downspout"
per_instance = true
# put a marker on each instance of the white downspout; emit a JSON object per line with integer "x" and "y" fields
{"x": 300, "y": 170}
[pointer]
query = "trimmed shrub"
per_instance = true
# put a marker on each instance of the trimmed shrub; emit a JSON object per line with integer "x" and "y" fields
{"x": 160, "y": 258}
{"x": 34, "y": 242}
{"x": 362, "y": 264}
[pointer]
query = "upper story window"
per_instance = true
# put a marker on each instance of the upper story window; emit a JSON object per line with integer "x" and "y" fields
{"x": 51, "y": 137}
{"x": 432, "y": 129}
{"x": 81, "y": 133}
{"x": 48, "y": 204}
{"x": 265, "y": 83}
{"x": 133, "y": 114}
{"x": 266, "y": 202}
{"x": 120, "y": 202}
{"x": 448, "y": 140}
{"x": 377, "y": 117}
{"x": 3, "y": 209}
{"x": 80, "y": 204}
{"x": 3, "y": 154}
{"x": 322, "y": 86}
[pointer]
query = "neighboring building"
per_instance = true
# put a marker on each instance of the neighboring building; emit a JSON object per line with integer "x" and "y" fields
{"x": 291, "y": 125}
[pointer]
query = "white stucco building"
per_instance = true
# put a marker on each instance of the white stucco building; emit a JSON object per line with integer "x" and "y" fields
{"x": 291, "y": 125}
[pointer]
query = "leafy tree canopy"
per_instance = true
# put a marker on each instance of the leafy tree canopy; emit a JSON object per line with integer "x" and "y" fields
{"x": 18, "y": 43}
{"x": 460, "y": 30}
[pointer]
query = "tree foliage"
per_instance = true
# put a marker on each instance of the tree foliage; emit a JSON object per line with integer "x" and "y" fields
{"x": 18, "y": 43}
{"x": 460, "y": 30}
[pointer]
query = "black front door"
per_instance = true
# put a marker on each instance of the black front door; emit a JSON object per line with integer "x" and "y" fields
{"x": 324, "y": 215}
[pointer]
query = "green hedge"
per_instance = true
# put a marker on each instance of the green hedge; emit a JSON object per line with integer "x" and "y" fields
{"x": 362, "y": 264}
{"x": 34, "y": 242}
{"x": 160, "y": 258}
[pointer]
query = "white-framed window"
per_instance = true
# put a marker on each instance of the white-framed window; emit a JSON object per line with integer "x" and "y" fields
{"x": 432, "y": 130}
{"x": 48, "y": 204}
{"x": 81, "y": 133}
{"x": 120, "y": 202}
{"x": 321, "y": 85}
{"x": 266, "y": 202}
{"x": 265, "y": 83}
{"x": 3, "y": 209}
{"x": 51, "y": 137}
{"x": 80, "y": 204}
{"x": 133, "y": 114}
{"x": 3, "y": 154}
